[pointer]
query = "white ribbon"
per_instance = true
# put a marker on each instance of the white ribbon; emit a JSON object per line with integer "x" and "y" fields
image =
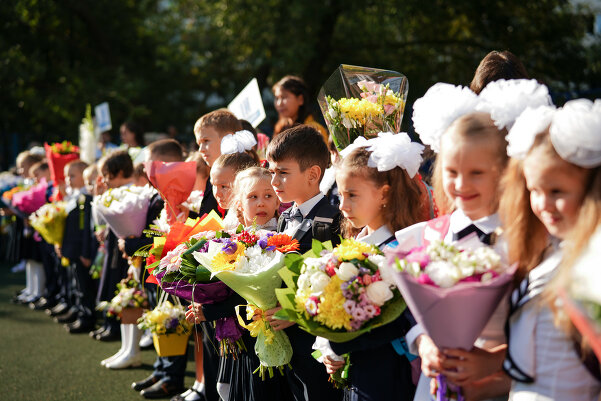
{"x": 239, "y": 142}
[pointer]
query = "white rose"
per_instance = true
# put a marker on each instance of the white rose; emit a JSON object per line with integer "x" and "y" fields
{"x": 378, "y": 292}
{"x": 319, "y": 280}
{"x": 303, "y": 283}
{"x": 347, "y": 271}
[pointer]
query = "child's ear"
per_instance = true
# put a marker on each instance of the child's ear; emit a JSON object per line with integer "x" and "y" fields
{"x": 385, "y": 192}
{"x": 314, "y": 173}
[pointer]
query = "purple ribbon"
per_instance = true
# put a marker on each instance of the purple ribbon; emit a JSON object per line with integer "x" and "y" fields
{"x": 444, "y": 388}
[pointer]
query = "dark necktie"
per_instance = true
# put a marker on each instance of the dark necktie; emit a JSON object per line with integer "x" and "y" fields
{"x": 484, "y": 238}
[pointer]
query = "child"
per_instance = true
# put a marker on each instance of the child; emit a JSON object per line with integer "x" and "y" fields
{"x": 255, "y": 198}
{"x": 379, "y": 201}
{"x": 297, "y": 159}
{"x": 467, "y": 173}
{"x": 79, "y": 246}
{"x": 541, "y": 203}
{"x": 223, "y": 174}
{"x": 140, "y": 178}
{"x": 116, "y": 169}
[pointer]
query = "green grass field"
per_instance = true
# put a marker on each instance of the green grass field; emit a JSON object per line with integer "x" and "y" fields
{"x": 39, "y": 360}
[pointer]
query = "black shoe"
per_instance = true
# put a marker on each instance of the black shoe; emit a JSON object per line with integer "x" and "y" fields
{"x": 68, "y": 317}
{"x": 142, "y": 384}
{"x": 108, "y": 335}
{"x": 96, "y": 332}
{"x": 199, "y": 396}
{"x": 79, "y": 326}
{"x": 59, "y": 309}
{"x": 43, "y": 303}
{"x": 162, "y": 389}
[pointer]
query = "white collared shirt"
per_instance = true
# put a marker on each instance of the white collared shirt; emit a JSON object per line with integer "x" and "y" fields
{"x": 377, "y": 237}
{"x": 305, "y": 208}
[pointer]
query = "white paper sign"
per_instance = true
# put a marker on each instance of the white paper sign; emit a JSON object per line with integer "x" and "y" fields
{"x": 248, "y": 105}
{"x": 103, "y": 117}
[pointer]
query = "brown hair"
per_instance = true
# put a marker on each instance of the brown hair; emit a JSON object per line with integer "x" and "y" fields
{"x": 235, "y": 161}
{"x": 303, "y": 144}
{"x": 298, "y": 87}
{"x": 471, "y": 126}
{"x": 202, "y": 168}
{"x": 251, "y": 173}
{"x": 39, "y": 166}
{"x": 222, "y": 120}
{"x": 169, "y": 148}
{"x": 497, "y": 65}
{"x": 406, "y": 204}
{"x": 79, "y": 165}
{"x": 26, "y": 157}
{"x": 115, "y": 162}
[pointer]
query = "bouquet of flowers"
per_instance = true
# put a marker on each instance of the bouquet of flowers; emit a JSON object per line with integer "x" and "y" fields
{"x": 361, "y": 102}
{"x": 440, "y": 282}
{"x": 31, "y": 199}
{"x": 166, "y": 318}
{"x": 582, "y": 300}
{"x": 248, "y": 262}
{"x": 124, "y": 209}
{"x": 49, "y": 220}
{"x": 129, "y": 295}
{"x": 58, "y": 155}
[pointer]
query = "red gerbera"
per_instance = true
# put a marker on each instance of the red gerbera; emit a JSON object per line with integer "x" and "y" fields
{"x": 283, "y": 243}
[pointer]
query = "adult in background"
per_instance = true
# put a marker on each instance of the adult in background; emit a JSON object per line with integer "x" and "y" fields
{"x": 293, "y": 106}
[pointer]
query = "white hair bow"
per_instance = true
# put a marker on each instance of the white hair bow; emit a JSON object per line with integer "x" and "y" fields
{"x": 390, "y": 150}
{"x": 574, "y": 129}
{"x": 239, "y": 142}
{"x": 504, "y": 100}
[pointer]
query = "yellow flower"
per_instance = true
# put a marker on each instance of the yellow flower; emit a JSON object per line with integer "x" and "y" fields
{"x": 179, "y": 329}
{"x": 222, "y": 261}
{"x": 161, "y": 329}
{"x": 331, "y": 309}
{"x": 352, "y": 249}
{"x": 360, "y": 110}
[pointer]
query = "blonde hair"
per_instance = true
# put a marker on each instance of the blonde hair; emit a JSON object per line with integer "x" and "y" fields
{"x": 241, "y": 186}
{"x": 222, "y": 120}
{"x": 407, "y": 203}
{"x": 473, "y": 126}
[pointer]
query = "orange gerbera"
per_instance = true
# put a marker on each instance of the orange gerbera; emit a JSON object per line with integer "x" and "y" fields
{"x": 283, "y": 243}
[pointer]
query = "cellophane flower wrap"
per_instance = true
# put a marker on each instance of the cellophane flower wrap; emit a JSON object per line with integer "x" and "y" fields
{"x": 248, "y": 262}
{"x": 452, "y": 290}
{"x": 338, "y": 293}
{"x": 174, "y": 181}
{"x": 361, "y": 102}
{"x": 31, "y": 199}
{"x": 49, "y": 221}
{"x": 581, "y": 298}
{"x": 180, "y": 274}
{"x": 58, "y": 155}
{"x": 124, "y": 209}
{"x": 129, "y": 294}
{"x": 166, "y": 318}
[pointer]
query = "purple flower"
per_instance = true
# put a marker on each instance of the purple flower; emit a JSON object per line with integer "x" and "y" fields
{"x": 172, "y": 323}
{"x": 348, "y": 306}
{"x": 370, "y": 310}
{"x": 229, "y": 247}
{"x": 359, "y": 314}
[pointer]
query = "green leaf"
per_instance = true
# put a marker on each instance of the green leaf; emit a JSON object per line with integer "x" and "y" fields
{"x": 316, "y": 246}
{"x": 195, "y": 247}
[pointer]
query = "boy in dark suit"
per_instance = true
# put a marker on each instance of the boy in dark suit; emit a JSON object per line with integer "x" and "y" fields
{"x": 297, "y": 159}
{"x": 80, "y": 246}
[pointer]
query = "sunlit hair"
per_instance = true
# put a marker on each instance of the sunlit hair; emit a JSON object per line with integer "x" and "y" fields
{"x": 117, "y": 161}
{"x": 78, "y": 165}
{"x": 245, "y": 181}
{"x": 222, "y": 120}
{"x": 497, "y": 65}
{"x": 407, "y": 202}
{"x": 475, "y": 126}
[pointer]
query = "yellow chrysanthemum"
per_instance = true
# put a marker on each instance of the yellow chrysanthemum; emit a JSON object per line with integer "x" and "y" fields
{"x": 222, "y": 261}
{"x": 352, "y": 249}
{"x": 331, "y": 309}
{"x": 360, "y": 110}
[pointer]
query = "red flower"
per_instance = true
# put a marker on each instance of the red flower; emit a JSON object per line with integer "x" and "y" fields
{"x": 247, "y": 238}
{"x": 283, "y": 243}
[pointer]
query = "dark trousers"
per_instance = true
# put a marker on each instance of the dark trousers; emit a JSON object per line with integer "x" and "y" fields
{"x": 84, "y": 291}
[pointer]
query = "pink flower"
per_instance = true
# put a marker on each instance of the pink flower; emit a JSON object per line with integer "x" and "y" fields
{"x": 425, "y": 279}
{"x": 312, "y": 305}
{"x": 349, "y": 306}
{"x": 420, "y": 256}
{"x": 370, "y": 310}
{"x": 358, "y": 314}
{"x": 367, "y": 279}
{"x": 389, "y": 109}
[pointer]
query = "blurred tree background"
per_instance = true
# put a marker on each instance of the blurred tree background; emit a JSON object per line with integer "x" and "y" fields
{"x": 167, "y": 62}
